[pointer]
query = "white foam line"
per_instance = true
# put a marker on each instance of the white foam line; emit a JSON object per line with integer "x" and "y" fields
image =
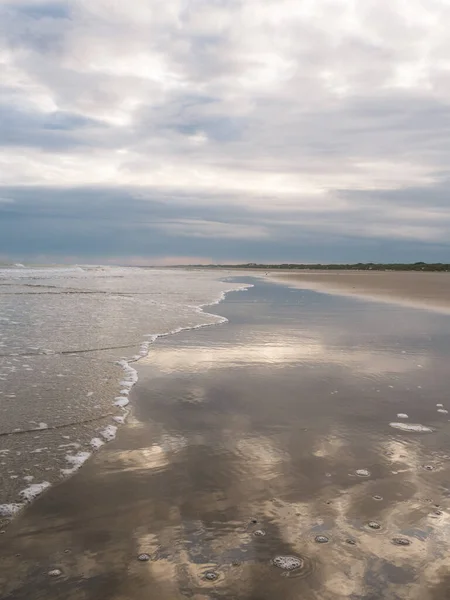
{"x": 30, "y": 493}
{"x": 76, "y": 460}
{"x": 96, "y": 443}
{"x": 9, "y": 510}
{"x": 411, "y": 427}
{"x": 131, "y": 375}
{"x": 121, "y": 402}
{"x": 109, "y": 432}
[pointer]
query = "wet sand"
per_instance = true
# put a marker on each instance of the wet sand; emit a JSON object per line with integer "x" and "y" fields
{"x": 266, "y": 437}
{"x": 415, "y": 289}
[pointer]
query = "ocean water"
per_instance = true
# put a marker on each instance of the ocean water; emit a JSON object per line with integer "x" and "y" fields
{"x": 68, "y": 341}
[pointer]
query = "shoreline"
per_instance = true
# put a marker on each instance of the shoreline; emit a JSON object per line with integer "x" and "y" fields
{"x": 126, "y": 380}
{"x": 428, "y": 291}
{"x": 212, "y": 476}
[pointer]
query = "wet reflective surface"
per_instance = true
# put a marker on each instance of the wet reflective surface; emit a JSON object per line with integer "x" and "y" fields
{"x": 62, "y": 331}
{"x": 261, "y": 462}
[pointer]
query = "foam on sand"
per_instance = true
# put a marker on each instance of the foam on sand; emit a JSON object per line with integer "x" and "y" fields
{"x": 109, "y": 433}
{"x": 96, "y": 443}
{"x": 9, "y": 510}
{"x": 31, "y": 492}
{"x": 402, "y": 416}
{"x": 76, "y": 460}
{"x": 443, "y": 411}
{"x": 411, "y": 427}
{"x": 122, "y": 402}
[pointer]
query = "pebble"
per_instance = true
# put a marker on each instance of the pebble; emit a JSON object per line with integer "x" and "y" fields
{"x": 373, "y": 525}
{"x": 143, "y": 557}
{"x": 428, "y": 467}
{"x": 351, "y": 542}
{"x": 260, "y": 533}
{"x": 210, "y": 576}
{"x": 377, "y": 497}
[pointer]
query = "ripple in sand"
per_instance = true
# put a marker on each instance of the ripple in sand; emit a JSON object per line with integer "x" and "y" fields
{"x": 411, "y": 427}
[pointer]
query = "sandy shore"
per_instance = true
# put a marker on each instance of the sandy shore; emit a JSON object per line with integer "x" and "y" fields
{"x": 415, "y": 289}
{"x": 298, "y": 451}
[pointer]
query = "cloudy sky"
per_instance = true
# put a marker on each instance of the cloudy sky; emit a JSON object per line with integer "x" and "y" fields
{"x": 224, "y": 130}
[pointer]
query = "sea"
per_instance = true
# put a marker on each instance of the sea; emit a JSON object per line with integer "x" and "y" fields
{"x": 69, "y": 341}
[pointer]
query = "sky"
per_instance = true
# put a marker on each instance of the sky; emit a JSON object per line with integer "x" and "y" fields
{"x": 207, "y": 131}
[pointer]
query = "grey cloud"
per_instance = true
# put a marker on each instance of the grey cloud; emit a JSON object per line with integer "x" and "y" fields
{"x": 339, "y": 112}
{"x": 95, "y": 223}
{"x": 56, "y": 130}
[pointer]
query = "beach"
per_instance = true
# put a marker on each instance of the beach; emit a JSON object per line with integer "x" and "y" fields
{"x": 298, "y": 448}
{"x": 415, "y": 289}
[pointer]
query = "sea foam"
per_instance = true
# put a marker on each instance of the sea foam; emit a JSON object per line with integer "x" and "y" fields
{"x": 411, "y": 427}
{"x": 29, "y": 493}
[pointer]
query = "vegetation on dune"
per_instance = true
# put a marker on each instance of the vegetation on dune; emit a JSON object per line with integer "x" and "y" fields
{"x": 417, "y": 266}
